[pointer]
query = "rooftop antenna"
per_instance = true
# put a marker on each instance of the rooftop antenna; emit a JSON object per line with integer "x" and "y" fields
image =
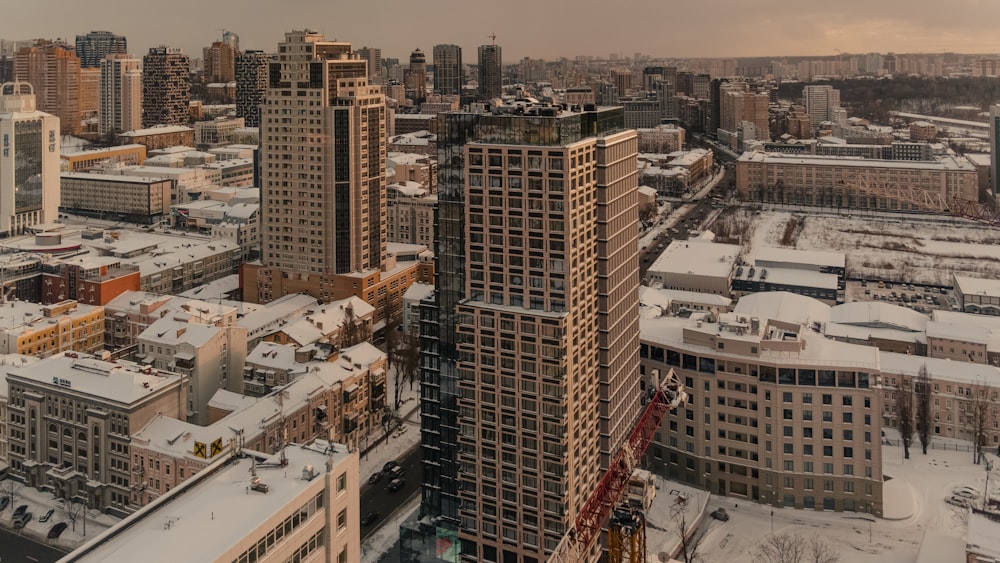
{"x": 493, "y": 38}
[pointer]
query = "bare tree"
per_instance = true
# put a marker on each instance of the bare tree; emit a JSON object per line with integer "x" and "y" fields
{"x": 784, "y": 548}
{"x": 922, "y": 388}
{"x": 978, "y": 416}
{"x": 71, "y": 511}
{"x": 647, "y": 213}
{"x": 9, "y": 488}
{"x": 690, "y": 541}
{"x": 409, "y": 356}
{"x": 390, "y": 335}
{"x": 353, "y": 330}
{"x": 904, "y": 411}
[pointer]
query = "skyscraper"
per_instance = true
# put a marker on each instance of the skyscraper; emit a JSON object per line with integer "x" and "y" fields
{"x": 416, "y": 76}
{"x": 448, "y": 72}
{"x": 96, "y": 45}
{"x": 166, "y": 87}
{"x": 533, "y": 381}
{"x": 220, "y": 62}
{"x": 251, "y": 83}
{"x": 995, "y": 147}
{"x": 490, "y": 71}
{"x": 374, "y": 57}
{"x": 53, "y": 70}
{"x": 120, "y": 94}
{"x": 231, "y": 39}
{"x": 29, "y": 167}
{"x": 821, "y": 101}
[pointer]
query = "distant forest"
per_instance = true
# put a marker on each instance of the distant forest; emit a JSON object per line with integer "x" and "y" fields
{"x": 872, "y": 99}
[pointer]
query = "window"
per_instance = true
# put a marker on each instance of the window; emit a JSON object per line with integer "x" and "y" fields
{"x": 342, "y": 556}
{"x": 342, "y": 482}
{"x": 342, "y": 519}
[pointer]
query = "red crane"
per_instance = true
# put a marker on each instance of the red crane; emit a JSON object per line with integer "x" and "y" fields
{"x": 595, "y": 512}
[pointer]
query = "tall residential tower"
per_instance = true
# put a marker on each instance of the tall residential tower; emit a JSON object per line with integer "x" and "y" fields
{"x": 448, "y": 71}
{"x": 120, "y": 94}
{"x": 53, "y": 70}
{"x": 166, "y": 87}
{"x": 490, "y": 72}
{"x": 251, "y": 83}
{"x": 96, "y": 45}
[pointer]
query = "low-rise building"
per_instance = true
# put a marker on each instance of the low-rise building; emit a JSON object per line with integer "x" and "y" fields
{"x": 696, "y": 264}
{"x": 410, "y": 210}
{"x": 71, "y": 418}
{"x": 131, "y": 313}
{"x": 976, "y": 295}
{"x": 752, "y": 277}
{"x": 217, "y": 132}
{"x": 888, "y": 327}
{"x": 82, "y": 161}
{"x": 13, "y": 360}
{"x": 45, "y": 330}
{"x": 661, "y": 139}
{"x": 89, "y": 279}
{"x": 325, "y": 324}
{"x": 302, "y": 504}
{"x": 159, "y": 136}
{"x": 129, "y": 198}
{"x": 658, "y": 301}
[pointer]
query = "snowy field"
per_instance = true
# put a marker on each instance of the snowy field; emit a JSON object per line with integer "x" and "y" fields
{"x": 885, "y": 247}
{"x": 916, "y": 493}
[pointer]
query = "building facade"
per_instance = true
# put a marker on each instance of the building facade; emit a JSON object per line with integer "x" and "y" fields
{"x": 93, "y": 47}
{"x": 120, "y": 95}
{"x": 490, "y": 71}
{"x": 139, "y": 200}
{"x": 166, "y": 87}
{"x": 251, "y": 83}
{"x": 53, "y": 69}
{"x": 449, "y": 73}
{"x": 415, "y": 77}
{"x": 822, "y": 102}
{"x": 220, "y": 62}
{"x": 29, "y": 166}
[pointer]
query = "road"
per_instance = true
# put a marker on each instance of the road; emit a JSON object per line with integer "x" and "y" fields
{"x": 376, "y": 498}
{"x": 15, "y": 548}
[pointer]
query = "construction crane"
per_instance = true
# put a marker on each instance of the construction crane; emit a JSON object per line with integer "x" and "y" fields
{"x": 577, "y": 544}
{"x": 627, "y": 536}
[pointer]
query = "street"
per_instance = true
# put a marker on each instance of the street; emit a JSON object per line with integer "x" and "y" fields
{"x": 376, "y": 498}
{"x": 15, "y": 548}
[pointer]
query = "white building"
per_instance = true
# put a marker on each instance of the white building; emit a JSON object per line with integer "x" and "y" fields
{"x": 821, "y": 101}
{"x": 29, "y": 165}
{"x": 410, "y": 210}
{"x": 300, "y": 505}
{"x": 696, "y": 264}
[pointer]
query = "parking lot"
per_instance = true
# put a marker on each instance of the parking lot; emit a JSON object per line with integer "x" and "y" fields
{"x": 922, "y": 299}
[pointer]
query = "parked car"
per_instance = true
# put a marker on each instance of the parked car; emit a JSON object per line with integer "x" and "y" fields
{"x": 965, "y": 492}
{"x": 22, "y": 520}
{"x": 375, "y": 478}
{"x": 4, "y": 502}
{"x": 56, "y": 530}
{"x": 395, "y": 485}
{"x": 396, "y": 472}
{"x": 20, "y": 510}
{"x": 48, "y": 514}
{"x": 960, "y": 502}
{"x": 370, "y": 518}
{"x": 388, "y": 466}
{"x": 720, "y": 514}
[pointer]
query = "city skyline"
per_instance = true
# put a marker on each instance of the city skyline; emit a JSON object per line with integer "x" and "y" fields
{"x": 750, "y": 30}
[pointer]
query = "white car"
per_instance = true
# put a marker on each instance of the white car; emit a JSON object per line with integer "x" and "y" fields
{"x": 965, "y": 492}
{"x": 959, "y": 501}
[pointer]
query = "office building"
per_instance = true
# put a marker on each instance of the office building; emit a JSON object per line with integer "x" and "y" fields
{"x": 535, "y": 315}
{"x": 93, "y": 47}
{"x": 376, "y": 70}
{"x": 449, "y": 74}
{"x": 251, "y": 83}
{"x": 301, "y": 504}
{"x": 120, "y": 95}
{"x": 490, "y": 72}
{"x": 134, "y": 199}
{"x": 166, "y": 87}
{"x": 7, "y": 73}
{"x": 415, "y": 77}
{"x": 53, "y": 69}
{"x": 29, "y": 170}
{"x": 220, "y": 62}
{"x": 822, "y": 102}
{"x": 786, "y": 417}
{"x": 80, "y": 450}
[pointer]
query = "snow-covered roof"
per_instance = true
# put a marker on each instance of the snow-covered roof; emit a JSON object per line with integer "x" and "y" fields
{"x": 804, "y": 257}
{"x": 791, "y": 277}
{"x": 272, "y": 355}
{"x": 698, "y": 257}
{"x": 961, "y": 333}
{"x": 938, "y": 368}
{"x": 216, "y": 289}
{"x": 19, "y": 317}
{"x": 947, "y": 162}
{"x": 647, "y": 191}
{"x": 418, "y": 291}
{"x": 408, "y": 188}
{"x": 121, "y": 382}
{"x": 783, "y": 306}
{"x": 873, "y": 314}
{"x": 978, "y": 286}
{"x": 659, "y": 297}
{"x": 157, "y": 130}
{"x": 259, "y": 321}
{"x": 170, "y": 332}
{"x": 211, "y": 514}
{"x": 979, "y": 159}
{"x": 983, "y": 538}
{"x": 230, "y": 401}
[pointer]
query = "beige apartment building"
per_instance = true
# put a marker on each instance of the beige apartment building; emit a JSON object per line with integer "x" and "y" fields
{"x": 71, "y": 418}
{"x": 53, "y": 70}
{"x": 547, "y": 335}
{"x": 855, "y": 182}
{"x": 776, "y": 413}
{"x": 410, "y": 214}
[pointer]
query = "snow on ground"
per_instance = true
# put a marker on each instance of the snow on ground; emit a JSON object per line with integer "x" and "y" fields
{"x": 401, "y": 440}
{"x": 890, "y": 247}
{"x": 922, "y": 481}
{"x": 388, "y": 533}
{"x": 39, "y": 503}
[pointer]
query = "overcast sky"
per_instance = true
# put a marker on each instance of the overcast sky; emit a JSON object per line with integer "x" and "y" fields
{"x": 539, "y": 29}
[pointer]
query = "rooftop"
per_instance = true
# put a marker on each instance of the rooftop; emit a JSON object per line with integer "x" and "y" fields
{"x": 943, "y": 163}
{"x": 121, "y": 382}
{"x": 170, "y": 332}
{"x": 157, "y": 130}
{"x": 805, "y": 257}
{"x": 977, "y": 286}
{"x": 698, "y": 257}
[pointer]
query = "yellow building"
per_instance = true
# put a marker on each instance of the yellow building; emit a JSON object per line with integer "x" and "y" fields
{"x": 82, "y": 161}
{"x": 44, "y": 330}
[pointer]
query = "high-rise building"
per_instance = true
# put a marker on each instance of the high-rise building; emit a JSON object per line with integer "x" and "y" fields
{"x": 53, "y": 70}
{"x": 448, "y": 72}
{"x": 415, "y": 77}
{"x": 6, "y": 68}
{"x": 821, "y": 101}
{"x": 29, "y": 169}
{"x": 251, "y": 83}
{"x": 534, "y": 381}
{"x": 166, "y": 87}
{"x": 93, "y": 47}
{"x": 374, "y": 57}
{"x": 231, "y": 39}
{"x": 90, "y": 88}
{"x": 995, "y": 147}
{"x": 490, "y": 71}
{"x": 220, "y": 62}
{"x": 120, "y": 95}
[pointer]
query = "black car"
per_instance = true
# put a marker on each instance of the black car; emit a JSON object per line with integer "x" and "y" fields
{"x": 56, "y": 530}
{"x": 370, "y": 518}
{"x": 388, "y": 466}
{"x": 396, "y": 484}
{"x": 4, "y": 502}
{"x": 375, "y": 478}
{"x": 20, "y": 510}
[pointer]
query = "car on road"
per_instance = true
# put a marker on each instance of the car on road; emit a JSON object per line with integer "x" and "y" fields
{"x": 4, "y": 502}
{"x": 55, "y": 531}
{"x": 22, "y": 520}
{"x": 48, "y": 514}
{"x": 720, "y": 514}
{"x": 388, "y": 466}
{"x": 370, "y": 518}
{"x": 396, "y": 484}
{"x": 960, "y": 502}
{"x": 375, "y": 478}
{"x": 396, "y": 472}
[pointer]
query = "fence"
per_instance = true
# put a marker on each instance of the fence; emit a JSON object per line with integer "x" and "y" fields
{"x": 946, "y": 446}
